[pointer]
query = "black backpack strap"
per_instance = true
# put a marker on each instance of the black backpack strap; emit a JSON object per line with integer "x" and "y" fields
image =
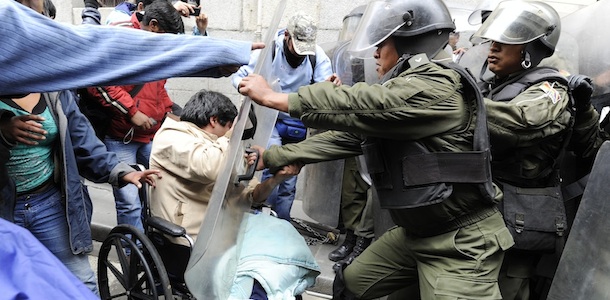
{"x": 136, "y": 90}
{"x": 481, "y": 134}
{"x": 312, "y": 61}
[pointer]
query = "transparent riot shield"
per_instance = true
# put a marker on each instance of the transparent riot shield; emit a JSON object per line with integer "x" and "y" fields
{"x": 587, "y": 29}
{"x": 211, "y": 268}
{"x": 322, "y": 190}
{"x": 584, "y": 268}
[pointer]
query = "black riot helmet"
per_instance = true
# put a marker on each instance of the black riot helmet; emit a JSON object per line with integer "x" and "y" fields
{"x": 533, "y": 23}
{"x": 419, "y": 26}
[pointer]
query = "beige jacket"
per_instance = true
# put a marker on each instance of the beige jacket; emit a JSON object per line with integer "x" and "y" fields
{"x": 189, "y": 160}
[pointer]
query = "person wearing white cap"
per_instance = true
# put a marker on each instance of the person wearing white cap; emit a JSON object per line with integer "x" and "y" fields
{"x": 297, "y": 61}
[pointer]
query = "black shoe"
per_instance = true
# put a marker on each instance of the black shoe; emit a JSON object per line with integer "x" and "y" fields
{"x": 361, "y": 244}
{"x": 345, "y": 249}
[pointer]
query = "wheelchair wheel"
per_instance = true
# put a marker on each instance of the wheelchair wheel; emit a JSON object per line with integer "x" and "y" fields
{"x": 129, "y": 267}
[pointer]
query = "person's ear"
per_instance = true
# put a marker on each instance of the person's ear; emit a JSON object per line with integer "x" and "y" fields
{"x": 154, "y": 25}
{"x": 213, "y": 121}
{"x": 140, "y": 6}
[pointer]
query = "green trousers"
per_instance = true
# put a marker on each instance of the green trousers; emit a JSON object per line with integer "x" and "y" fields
{"x": 461, "y": 264}
{"x": 356, "y": 201}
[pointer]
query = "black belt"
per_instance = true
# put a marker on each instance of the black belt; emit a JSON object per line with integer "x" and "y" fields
{"x": 39, "y": 189}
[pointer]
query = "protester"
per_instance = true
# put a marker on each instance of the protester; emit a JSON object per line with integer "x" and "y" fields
{"x": 190, "y": 152}
{"x": 297, "y": 61}
{"x": 136, "y": 113}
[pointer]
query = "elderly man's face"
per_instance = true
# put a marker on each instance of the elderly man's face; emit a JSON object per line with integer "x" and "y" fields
{"x": 36, "y": 5}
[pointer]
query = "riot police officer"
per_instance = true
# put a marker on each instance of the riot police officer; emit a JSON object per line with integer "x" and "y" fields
{"x": 531, "y": 122}
{"x": 419, "y": 128}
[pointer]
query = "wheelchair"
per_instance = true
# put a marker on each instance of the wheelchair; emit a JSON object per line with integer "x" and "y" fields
{"x": 146, "y": 265}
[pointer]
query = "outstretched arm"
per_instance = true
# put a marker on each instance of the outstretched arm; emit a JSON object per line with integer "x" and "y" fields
{"x": 257, "y": 88}
{"x": 113, "y": 56}
{"x": 264, "y": 189}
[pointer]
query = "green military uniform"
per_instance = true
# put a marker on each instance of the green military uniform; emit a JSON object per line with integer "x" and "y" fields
{"x": 453, "y": 248}
{"x": 355, "y": 212}
{"x": 527, "y": 134}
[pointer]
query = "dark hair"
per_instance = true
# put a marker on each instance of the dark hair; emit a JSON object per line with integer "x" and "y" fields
{"x": 145, "y": 3}
{"x": 49, "y": 9}
{"x": 170, "y": 21}
{"x": 206, "y": 104}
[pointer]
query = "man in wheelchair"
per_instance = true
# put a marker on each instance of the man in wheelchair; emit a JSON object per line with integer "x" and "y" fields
{"x": 189, "y": 151}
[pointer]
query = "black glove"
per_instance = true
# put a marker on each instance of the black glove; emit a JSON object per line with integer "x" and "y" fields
{"x": 92, "y": 4}
{"x": 582, "y": 88}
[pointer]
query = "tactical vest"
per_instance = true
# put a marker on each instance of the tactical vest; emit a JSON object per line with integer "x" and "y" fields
{"x": 510, "y": 170}
{"x": 407, "y": 175}
{"x": 515, "y": 86}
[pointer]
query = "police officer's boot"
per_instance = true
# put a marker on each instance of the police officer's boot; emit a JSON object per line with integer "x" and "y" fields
{"x": 361, "y": 244}
{"x": 345, "y": 248}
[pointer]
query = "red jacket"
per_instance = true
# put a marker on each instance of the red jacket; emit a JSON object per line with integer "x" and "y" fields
{"x": 152, "y": 100}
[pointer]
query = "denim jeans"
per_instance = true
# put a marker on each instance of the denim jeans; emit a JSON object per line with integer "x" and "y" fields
{"x": 283, "y": 194}
{"x": 44, "y": 216}
{"x": 127, "y": 201}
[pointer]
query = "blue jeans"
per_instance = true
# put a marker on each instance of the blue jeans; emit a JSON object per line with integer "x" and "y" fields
{"x": 44, "y": 216}
{"x": 283, "y": 194}
{"x": 127, "y": 201}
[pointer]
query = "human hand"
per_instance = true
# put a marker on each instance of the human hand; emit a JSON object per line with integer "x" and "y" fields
{"x": 141, "y": 120}
{"x": 251, "y": 157}
{"x": 334, "y": 78}
{"x": 25, "y": 129}
{"x": 202, "y": 22}
{"x": 582, "y": 89}
{"x": 260, "y": 150}
{"x": 255, "y": 87}
{"x": 288, "y": 171}
{"x": 137, "y": 177}
{"x": 185, "y": 9}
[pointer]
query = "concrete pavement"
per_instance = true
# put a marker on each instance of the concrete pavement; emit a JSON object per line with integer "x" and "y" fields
{"x": 104, "y": 219}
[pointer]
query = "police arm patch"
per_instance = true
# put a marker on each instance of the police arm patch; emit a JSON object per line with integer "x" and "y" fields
{"x": 550, "y": 92}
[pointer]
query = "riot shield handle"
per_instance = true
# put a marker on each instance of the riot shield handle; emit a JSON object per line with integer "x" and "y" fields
{"x": 251, "y": 169}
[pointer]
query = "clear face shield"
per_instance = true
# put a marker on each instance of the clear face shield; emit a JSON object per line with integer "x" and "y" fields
{"x": 476, "y": 17}
{"x": 515, "y": 22}
{"x": 379, "y": 21}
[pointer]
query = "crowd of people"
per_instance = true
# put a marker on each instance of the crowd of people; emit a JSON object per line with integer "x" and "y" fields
{"x": 469, "y": 169}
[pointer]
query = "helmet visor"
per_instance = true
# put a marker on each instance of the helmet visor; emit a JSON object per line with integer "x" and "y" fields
{"x": 511, "y": 24}
{"x": 379, "y": 21}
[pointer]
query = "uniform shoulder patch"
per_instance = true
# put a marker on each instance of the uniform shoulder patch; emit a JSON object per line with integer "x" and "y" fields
{"x": 550, "y": 92}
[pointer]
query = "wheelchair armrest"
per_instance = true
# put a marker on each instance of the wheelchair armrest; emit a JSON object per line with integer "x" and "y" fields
{"x": 166, "y": 226}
